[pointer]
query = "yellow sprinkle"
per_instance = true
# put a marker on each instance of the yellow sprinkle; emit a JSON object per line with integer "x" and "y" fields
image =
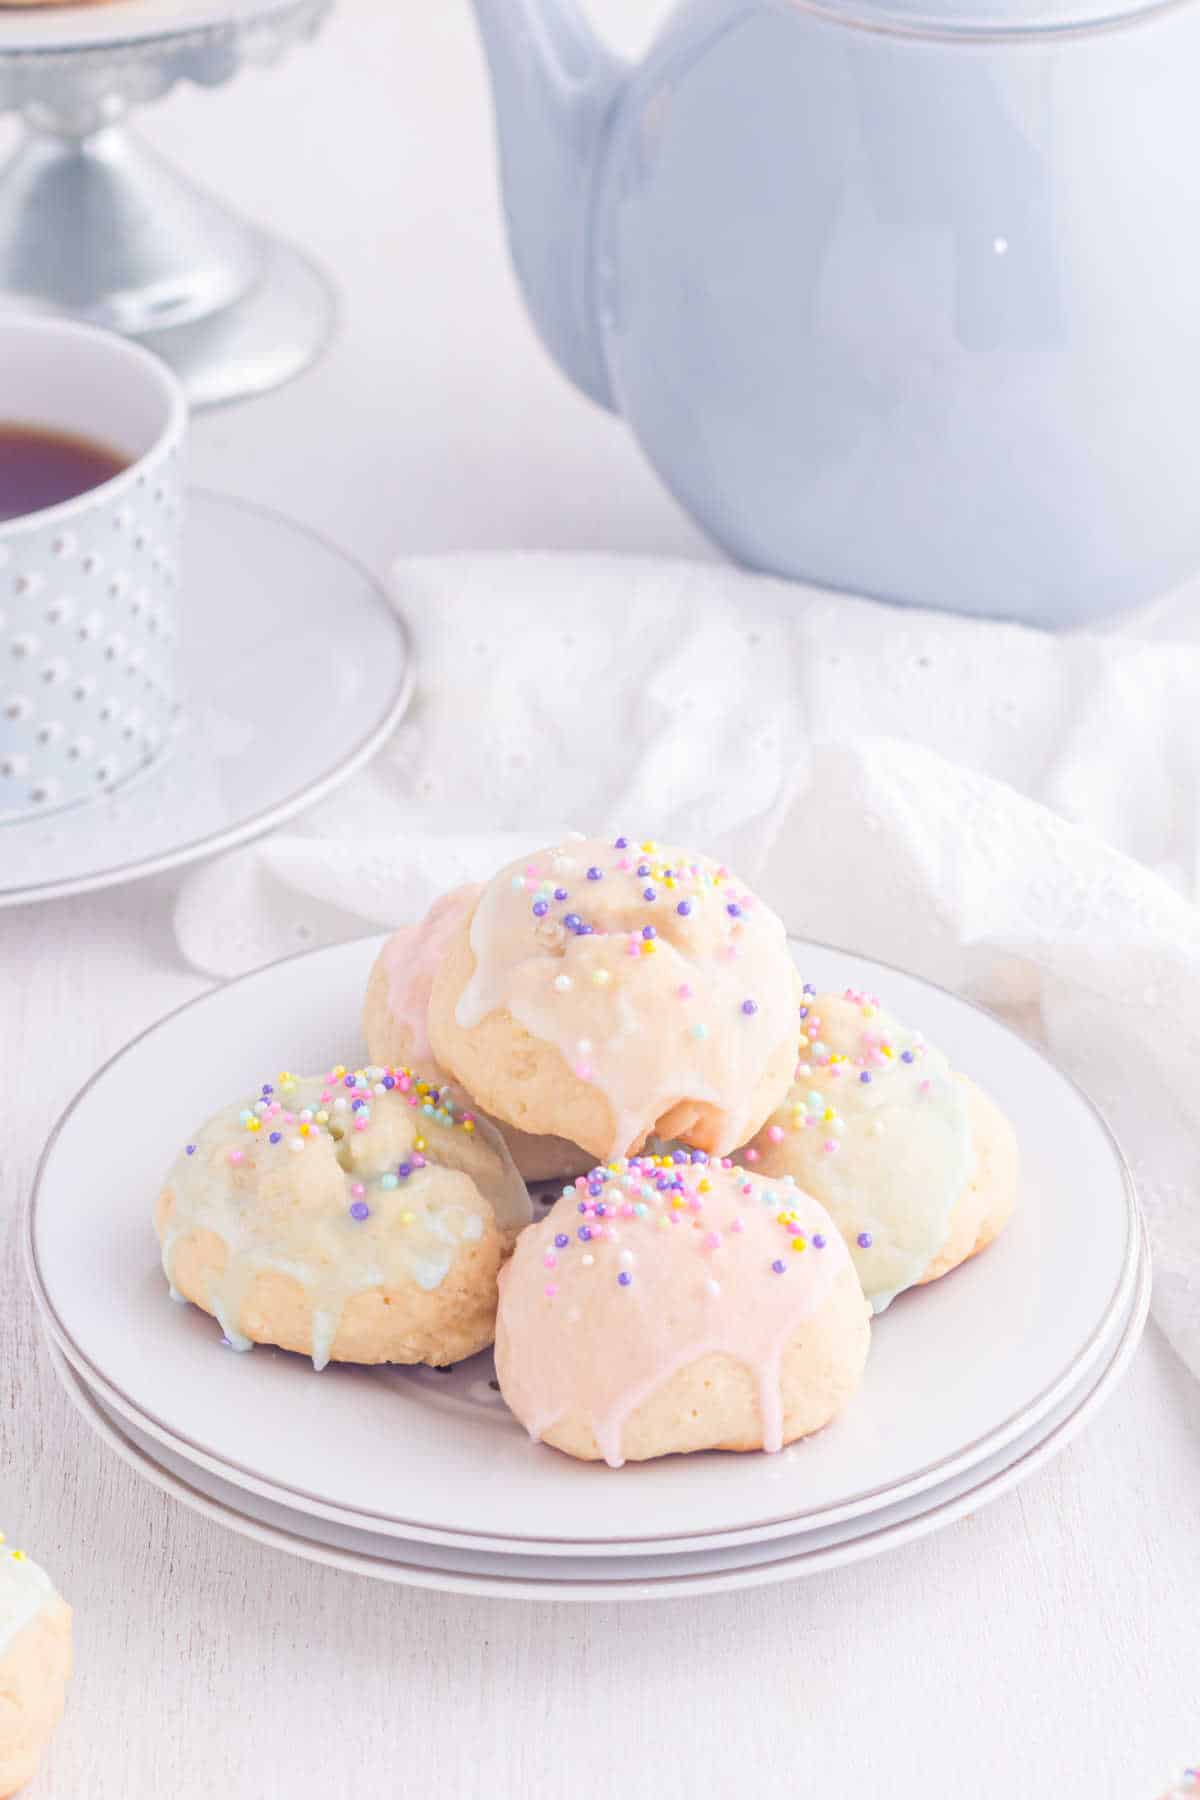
{"x": 406, "y": 1218}
{"x": 468, "y": 1124}
{"x": 304, "y": 1131}
{"x": 677, "y": 1204}
{"x": 3, "y": 1539}
{"x": 601, "y": 977}
{"x": 799, "y": 1243}
{"x": 341, "y": 1069}
{"x": 649, "y": 846}
{"x": 781, "y": 1218}
{"x": 703, "y": 1187}
{"x": 18, "y": 1556}
{"x": 828, "y": 1114}
{"x": 419, "y": 1144}
{"x": 868, "y": 1012}
{"x": 647, "y": 947}
{"x": 888, "y": 1051}
{"x": 253, "y": 1124}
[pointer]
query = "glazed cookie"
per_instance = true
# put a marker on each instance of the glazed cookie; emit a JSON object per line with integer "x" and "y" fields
{"x": 396, "y": 1024}
{"x": 917, "y": 1166}
{"x": 671, "y": 1304}
{"x": 606, "y": 992}
{"x": 35, "y": 1664}
{"x": 360, "y": 1216}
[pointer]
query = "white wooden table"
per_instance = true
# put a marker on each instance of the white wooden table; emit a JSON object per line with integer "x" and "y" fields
{"x": 1046, "y": 1648}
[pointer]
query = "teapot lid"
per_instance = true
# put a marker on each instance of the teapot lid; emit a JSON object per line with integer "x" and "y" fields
{"x": 969, "y": 18}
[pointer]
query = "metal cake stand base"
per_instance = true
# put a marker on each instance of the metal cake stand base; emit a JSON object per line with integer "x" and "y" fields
{"x": 95, "y": 225}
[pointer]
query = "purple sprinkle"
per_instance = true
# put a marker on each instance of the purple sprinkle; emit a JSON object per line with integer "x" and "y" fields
{"x": 585, "y": 1233}
{"x": 621, "y": 844}
{"x": 360, "y": 1211}
{"x": 267, "y": 1088}
{"x": 191, "y": 1149}
{"x": 810, "y": 989}
{"x": 561, "y": 1240}
{"x": 804, "y": 1012}
{"x": 595, "y": 874}
{"x": 601, "y": 1210}
{"x": 560, "y": 893}
{"x": 679, "y": 1156}
{"x": 734, "y": 910}
{"x": 624, "y": 1278}
{"x": 649, "y": 894}
{"x": 350, "y": 1081}
{"x": 357, "y": 1105}
{"x": 389, "y": 1082}
{"x": 749, "y": 1006}
{"x": 684, "y": 908}
{"x": 404, "y": 1170}
{"x": 780, "y": 1268}
{"x": 643, "y": 869}
{"x": 648, "y": 931}
{"x": 540, "y": 908}
{"x": 865, "y": 1076}
{"x": 699, "y": 1156}
{"x": 585, "y": 931}
{"x": 906, "y": 1056}
{"x": 865, "y": 1240}
{"x": 582, "y": 1207}
{"x": 572, "y": 921}
{"x": 818, "y": 1241}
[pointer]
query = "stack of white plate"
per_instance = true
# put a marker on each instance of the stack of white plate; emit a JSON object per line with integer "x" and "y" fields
{"x": 423, "y": 1477}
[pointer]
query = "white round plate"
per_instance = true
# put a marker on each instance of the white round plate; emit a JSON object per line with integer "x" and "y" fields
{"x": 957, "y": 1370}
{"x": 294, "y": 669}
{"x": 119, "y": 23}
{"x": 642, "y": 1577}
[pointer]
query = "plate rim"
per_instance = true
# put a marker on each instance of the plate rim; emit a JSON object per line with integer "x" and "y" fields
{"x": 254, "y": 825}
{"x": 859, "y": 1547}
{"x": 774, "y": 1526}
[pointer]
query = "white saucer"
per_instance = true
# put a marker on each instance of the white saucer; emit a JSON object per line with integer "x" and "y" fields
{"x": 637, "y": 1577}
{"x": 957, "y": 1372}
{"x": 36, "y": 29}
{"x": 294, "y": 668}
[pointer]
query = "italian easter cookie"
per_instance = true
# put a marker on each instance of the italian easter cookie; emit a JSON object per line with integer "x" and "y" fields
{"x": 35, "y": 1664}
{"x": 360, "y": 1216}
{"x": 918, "y": 1167}
{"x": 396, "y": 1023}
{"x": 672, "y": 1303}
{"x": 610, "y": 991}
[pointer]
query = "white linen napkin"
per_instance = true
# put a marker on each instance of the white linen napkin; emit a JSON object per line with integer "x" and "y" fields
{"x": 1013, "y": 814}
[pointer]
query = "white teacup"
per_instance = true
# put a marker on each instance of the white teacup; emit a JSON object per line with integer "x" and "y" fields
{"x": 89, "y": 589}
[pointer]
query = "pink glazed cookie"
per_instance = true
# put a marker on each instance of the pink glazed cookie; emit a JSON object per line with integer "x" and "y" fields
{"x": 610, "y": 991}
{"x": 396, "y": 1023}
{"x": 35, "y": 1664}
{"x": 672, "y": 1304}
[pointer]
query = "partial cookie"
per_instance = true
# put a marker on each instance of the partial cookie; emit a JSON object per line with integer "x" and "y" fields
{"x": 917, "y": 1166}
{"x": 360, "y": 1216}
{"x": 610, "y": 992}
{"x": 35, "y": 1664}
{"x": 396, "y": 1024}
{"x": 675, "y": 1304}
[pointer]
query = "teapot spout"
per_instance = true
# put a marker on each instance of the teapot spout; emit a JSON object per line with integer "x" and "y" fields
{"x": 554, "y": 85}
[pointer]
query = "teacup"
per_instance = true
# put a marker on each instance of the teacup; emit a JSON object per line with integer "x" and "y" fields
{"x": 89, "y": 588}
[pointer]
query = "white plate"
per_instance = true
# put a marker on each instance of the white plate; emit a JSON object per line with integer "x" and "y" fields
{"x": 294, "y": 668}
{"x": 595, "y": 1578}
{"x": 957, "y": 1370}
{"x": 92, "y": 27}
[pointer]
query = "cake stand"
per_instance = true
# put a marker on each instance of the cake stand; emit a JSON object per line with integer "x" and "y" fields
{"x": 95, "y": 225}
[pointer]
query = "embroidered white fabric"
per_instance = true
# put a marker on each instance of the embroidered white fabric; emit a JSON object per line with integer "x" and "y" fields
{"x": 1007, "y": 812}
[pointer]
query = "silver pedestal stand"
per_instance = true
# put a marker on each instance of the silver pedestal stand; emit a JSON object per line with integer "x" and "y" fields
{"x": 95, "y": 225}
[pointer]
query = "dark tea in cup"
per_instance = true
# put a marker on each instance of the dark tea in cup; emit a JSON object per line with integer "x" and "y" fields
{"x": 41, "y": 468}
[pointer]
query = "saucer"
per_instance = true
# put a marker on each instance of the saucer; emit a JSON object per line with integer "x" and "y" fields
{"x": 294, "y": 669}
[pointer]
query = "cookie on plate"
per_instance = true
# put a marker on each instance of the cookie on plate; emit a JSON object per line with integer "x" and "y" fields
{"x": 360, "y": 1216}
{"x": 35, "y": 1664}
{"x": 609, "y": 991}
{"x": 396, "y": 1024}
{"x": 673, "y": 1303}
{"x": 918, "y": 1167}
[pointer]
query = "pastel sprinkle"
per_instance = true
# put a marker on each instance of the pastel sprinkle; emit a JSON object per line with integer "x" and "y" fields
{"x": 360, "y": 1211}
{"x": 865, "y": 1240}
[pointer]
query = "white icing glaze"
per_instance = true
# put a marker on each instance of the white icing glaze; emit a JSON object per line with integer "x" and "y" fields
{"x": 694, "y": 1012}
{"x": 347, "y": 1183}
{"x": 25, "y": 1591}
{"x": 733, "y": 1270}
{"x": 410, "y": 957}
{"x": 877, "y": 1128}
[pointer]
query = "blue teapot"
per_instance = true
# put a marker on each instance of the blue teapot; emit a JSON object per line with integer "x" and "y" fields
{"x": 898, "y": 296}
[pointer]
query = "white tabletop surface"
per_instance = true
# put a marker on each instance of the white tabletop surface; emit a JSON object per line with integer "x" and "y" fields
{"x": 1045, "y": 1648}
